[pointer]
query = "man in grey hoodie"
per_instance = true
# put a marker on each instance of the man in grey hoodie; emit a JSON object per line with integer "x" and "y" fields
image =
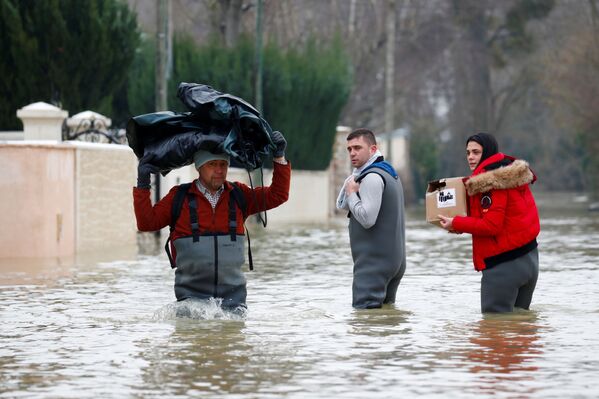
{"x": 373, "y": 195}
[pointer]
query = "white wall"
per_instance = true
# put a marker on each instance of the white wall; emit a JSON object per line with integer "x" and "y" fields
{"x": 309, "y": 198}
{"x": 309, "y": 193}
{"x": 105, "y": 176}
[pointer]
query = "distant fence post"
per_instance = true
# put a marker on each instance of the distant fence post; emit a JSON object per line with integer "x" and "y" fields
{"x": 42, "y": 121}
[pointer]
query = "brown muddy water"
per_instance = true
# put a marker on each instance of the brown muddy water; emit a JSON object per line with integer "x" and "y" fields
{"x": 94, "y": 328}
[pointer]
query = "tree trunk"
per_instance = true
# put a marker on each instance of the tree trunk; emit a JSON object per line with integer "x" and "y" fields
{"x": 471, "y": 109}
{"x": 389, "y": 78}
{"x": 230, "y": 21}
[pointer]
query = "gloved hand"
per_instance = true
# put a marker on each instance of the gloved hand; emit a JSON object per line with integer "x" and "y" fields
{"x": 144, "y": 169}
{"x": 280, "y": 144}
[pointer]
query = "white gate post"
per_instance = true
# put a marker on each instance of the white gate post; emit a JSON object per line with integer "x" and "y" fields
{"x": 42, "y": 121}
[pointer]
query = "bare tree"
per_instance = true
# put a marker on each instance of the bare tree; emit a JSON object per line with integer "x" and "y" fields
{"x": 572, "y": 81}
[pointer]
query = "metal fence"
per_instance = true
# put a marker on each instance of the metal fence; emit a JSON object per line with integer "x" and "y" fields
{"x": 94, "y": 131}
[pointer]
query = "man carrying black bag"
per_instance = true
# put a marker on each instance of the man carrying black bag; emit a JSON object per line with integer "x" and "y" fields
{"x": 207, "y": 238}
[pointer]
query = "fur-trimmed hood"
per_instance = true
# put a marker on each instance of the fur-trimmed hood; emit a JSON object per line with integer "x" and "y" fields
{"x": 516, "y": 174}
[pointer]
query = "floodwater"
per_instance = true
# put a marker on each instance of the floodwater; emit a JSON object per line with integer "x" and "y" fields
{"x": 91, "y": 328}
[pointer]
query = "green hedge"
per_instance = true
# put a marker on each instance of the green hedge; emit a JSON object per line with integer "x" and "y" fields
{"x": 305, "y": 91}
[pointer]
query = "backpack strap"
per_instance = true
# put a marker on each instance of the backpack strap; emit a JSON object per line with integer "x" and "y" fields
{"x": 175, "y": 213}
{"x": 236, "y": 199}
{"x": 233, "y": 218}
{"x": 193, "y": 217}
{"x": 239, "y": 198}
{"x": 178, "y": 204}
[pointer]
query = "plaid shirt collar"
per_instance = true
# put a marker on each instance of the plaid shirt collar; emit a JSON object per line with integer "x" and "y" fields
{"x": 212, "y": 198}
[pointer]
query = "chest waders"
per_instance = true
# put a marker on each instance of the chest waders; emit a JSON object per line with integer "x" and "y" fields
{"x": 208, "y": 264}
{"x": 379, "y": 252}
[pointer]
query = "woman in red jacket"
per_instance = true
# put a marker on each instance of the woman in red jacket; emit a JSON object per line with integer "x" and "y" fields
{"x": 504, "y": 223}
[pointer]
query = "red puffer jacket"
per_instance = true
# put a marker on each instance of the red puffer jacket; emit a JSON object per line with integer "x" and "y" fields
{"x": 503, "y": 217}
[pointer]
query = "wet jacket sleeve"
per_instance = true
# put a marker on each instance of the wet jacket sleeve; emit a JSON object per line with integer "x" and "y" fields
{"x": 492, "y": 219}
{"x": 152, "y": 218}
{"x": 267, "y": 197}
{"x": 365, "y": 207}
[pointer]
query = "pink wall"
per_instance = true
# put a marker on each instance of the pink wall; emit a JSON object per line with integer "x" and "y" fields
{"x": 37, "y": 200}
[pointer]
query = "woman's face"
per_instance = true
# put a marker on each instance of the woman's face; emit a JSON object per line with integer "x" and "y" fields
{"x": 474, "y": 152}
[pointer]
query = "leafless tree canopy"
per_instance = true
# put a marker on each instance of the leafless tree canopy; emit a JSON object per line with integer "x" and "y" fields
{"x": 528, "y": 75}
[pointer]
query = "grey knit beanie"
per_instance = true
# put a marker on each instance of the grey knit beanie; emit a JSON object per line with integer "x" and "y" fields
{"x": 203, "y": 156}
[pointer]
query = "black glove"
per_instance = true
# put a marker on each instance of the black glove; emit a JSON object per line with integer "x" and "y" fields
{"x": 144, "y": 169}
{"x": 280, "y": 144}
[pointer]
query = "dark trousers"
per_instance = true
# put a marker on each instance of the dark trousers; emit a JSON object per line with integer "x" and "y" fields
{"x": 510, "y": 284}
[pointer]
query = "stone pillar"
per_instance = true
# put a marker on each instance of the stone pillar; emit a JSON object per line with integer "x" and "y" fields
{"x": 401, "y": 157}
{"x": 340, "y": 166}
{"x": 42, "y": 121}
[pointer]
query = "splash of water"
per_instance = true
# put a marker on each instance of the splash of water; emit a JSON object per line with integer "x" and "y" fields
{"x": 199, "y": 309}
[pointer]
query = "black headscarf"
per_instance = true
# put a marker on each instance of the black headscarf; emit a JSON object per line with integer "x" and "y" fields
{"x": 488, "y": 142}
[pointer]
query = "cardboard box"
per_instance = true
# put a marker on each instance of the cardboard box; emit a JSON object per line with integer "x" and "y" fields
{"x": 445, "y": 197}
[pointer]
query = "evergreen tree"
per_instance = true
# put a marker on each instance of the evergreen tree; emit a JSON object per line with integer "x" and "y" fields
{"x": 71, "y": 53}
{"x": 137, "y": 94}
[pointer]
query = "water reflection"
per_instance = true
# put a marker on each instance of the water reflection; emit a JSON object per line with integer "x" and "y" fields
{"x": 382, "y": 341}
{"x": 34, "y": 271}
{"x": 506, "y": 349}
{"x": 199, "y": 356}
{"x": 382, "y": 322}
{"x": 212, "y": 357}
{"x": 48, "y": 271}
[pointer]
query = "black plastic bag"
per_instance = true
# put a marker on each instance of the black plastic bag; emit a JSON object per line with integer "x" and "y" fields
{"x": 216, "y": 122}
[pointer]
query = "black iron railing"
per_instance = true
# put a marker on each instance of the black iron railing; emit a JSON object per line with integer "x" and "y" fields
{"x": 94, "y": 131}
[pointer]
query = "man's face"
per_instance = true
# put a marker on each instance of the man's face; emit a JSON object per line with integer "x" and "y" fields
{"x": 360, "y": 151}
{"x": 213, "y": 174}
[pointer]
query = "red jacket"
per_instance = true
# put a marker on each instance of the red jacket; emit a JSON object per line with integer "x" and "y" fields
{"x": 502, "y": 217}
{"x": 152, "y": 218}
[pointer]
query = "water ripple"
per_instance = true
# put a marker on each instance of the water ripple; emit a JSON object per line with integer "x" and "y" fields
{"x": 90, "y": 328}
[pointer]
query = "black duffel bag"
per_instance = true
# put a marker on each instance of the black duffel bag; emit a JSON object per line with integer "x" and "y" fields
{"x": 216, "y": 121}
